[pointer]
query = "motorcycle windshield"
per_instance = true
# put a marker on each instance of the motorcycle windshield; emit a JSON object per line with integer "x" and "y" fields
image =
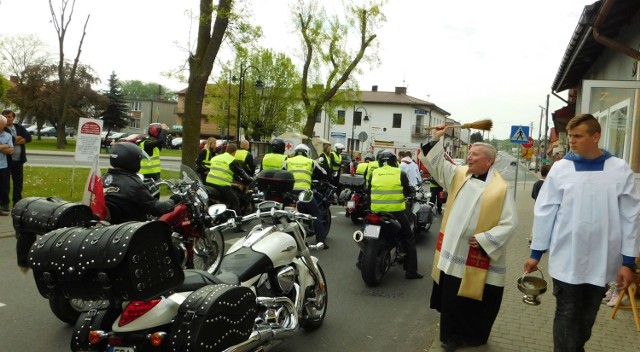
{"x": 188, "y": 175}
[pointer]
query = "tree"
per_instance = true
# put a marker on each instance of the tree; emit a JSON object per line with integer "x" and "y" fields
{"x": 38, "y": 95}
{"x": 476, "y": 137}
{"x": 5, "y": 85}
{"x": 210, "y": 36}
{"x": 65, "y": 81}
{"x": 116, "y": 115}
{"x": 326, "y": 45}
{"x": 139, "y": 89}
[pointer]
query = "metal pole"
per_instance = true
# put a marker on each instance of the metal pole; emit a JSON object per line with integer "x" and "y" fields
{"x": 229, "y": 108}
{"x": 539, "y": 156}
{"x": 546, "y": 127}
{"x": 353, "y": 126}
{"x": 240, "y": 93}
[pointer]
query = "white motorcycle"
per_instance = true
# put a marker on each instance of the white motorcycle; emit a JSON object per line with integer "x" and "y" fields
{"x": 267, "y": 287}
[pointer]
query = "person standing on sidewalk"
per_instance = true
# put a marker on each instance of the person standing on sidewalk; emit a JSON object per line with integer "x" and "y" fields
{"x": 469, "y": 266}
{"x": 16, "y": 162}
{"x": 6, "y": 149}
{"x": 586, "y": 216}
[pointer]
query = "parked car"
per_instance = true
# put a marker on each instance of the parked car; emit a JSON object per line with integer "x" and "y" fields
{"x": 176, "y": 143}
{"x": 513, "y": 163}
{"x": 133, "y": 138}
{"x": 115, "y": 136}
{"x": 48, "y": 131}
{"x": 533, "y": 166}
{"x": 346, "y": 161}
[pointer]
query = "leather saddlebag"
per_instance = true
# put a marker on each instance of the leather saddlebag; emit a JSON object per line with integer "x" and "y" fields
{"x": 40, "y": 215}
{"x": 96, "y": 315}
{"x": 214, "y": 318}
{"x": 35, "y": 216}
{"x": 129, "y": 261}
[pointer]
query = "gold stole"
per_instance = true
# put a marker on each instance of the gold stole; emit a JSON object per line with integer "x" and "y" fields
{"x": 477, "y": 265}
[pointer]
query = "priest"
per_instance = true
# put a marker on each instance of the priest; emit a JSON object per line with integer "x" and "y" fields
{"x": 470, "y": 260}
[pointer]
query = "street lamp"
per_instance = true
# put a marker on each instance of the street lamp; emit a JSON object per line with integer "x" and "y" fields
{"x": 353, "y": 123}
{"x": 258, "y": 85}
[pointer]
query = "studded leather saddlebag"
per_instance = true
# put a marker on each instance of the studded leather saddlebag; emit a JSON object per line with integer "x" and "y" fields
{"x": 214, "y": 318}
{"x": 35, "y": 216}
{"x": 96, "y": 315}
{"x": 129, "y": 261}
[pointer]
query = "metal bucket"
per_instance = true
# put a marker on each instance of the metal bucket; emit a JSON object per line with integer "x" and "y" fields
{"x": 532, "y": 287}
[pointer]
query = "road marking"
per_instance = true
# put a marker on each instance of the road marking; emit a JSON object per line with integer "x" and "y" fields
{"x": 2, "y": 305}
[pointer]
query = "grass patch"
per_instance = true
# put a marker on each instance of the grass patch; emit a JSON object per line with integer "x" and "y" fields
{"x": 66, "y": 183}
{"x": 50, "y": 143}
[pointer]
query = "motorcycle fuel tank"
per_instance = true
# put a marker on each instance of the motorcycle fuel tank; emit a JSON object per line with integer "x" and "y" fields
{"x": 280, "y": 247}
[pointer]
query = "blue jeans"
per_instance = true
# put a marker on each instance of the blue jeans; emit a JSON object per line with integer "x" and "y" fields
{"x": 576, "y": 310}
{"x": 312, "y": 208}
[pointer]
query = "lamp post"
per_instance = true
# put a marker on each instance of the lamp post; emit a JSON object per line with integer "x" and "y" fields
{"x": 229, "y": 107}
{"x": 258, "y": 85}
{"x": 353, "y": 123}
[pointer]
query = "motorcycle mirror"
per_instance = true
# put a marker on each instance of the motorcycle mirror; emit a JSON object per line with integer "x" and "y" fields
{"x": 305, "y": 196}
{"x": 217, "y": 209}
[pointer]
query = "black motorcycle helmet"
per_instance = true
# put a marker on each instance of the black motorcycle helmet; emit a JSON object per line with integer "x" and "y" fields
{"x": 369, "y": 157}
{"x": 126, "y": 155}
{"x": 388, "y": 157}
{"x": 277, "y": 146}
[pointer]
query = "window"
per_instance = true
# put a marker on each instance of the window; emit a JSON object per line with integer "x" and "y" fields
{"x": 134, "y": 121}
{"x": 135, "y": 106}
{"x": 357, "y": 118}
{"x": 397, "y": 120}
{"x": 319, "y": 117}
{"x": 341, "y": 117}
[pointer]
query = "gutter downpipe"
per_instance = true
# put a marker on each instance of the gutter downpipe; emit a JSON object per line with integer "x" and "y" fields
{"x": 608, "y": 42}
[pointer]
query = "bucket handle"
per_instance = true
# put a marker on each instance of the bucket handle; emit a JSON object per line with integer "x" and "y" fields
{"x": 525, "y": 274}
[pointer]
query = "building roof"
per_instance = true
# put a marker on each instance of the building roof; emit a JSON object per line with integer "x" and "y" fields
{"x": 398, "y": 97}
{"x": 583, "y": 50}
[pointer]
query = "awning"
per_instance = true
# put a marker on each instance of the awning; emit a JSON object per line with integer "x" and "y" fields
{"x": 562, "y": 116}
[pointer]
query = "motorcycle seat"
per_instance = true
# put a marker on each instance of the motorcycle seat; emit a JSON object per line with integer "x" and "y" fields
{"x": 196, "y": 279}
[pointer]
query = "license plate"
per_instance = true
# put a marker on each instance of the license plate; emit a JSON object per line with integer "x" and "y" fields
{"x": 351, "y": 204}
{"x": 372, "y": 231}
{"x": 121, "y": 349}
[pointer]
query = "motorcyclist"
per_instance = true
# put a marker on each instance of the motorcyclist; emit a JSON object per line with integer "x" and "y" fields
{"x": 152, "y": 146}
{"x": 224, "y": 168}
{"x": 203, "y": 160}
{"x": 244, "y": 156}
{"x": 389, "y": 187}
{"x": 369, "y": 172}
{"x": 362, "y": 167}
{"x": 126, "y": 196}
{"x": 276, "y": 159}
{"x": 303, "y": 169}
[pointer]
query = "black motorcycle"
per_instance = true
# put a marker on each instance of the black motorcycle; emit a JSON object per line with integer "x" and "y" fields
{"x": 323, "y": 192}
{"x": 380, "y": 245}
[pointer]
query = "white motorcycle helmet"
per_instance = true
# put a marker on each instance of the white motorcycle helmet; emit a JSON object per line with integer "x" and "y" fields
{"x": 301, "y": 149}
{"x": 338, "y": 148}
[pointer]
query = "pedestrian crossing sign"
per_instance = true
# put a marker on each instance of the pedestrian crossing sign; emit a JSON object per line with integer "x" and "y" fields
{"x": 519, "y": 134}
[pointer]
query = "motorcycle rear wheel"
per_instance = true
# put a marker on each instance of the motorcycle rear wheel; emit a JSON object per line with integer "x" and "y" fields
{"x": 326, "y": 214}
{"x": 208, "y": 251}
{"x": 376, "y": 261}
{"x": 311, "y": 309}
{"x": 65, "y": 309}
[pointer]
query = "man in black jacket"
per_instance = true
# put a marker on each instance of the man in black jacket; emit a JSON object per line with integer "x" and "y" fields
{"x": 16, "y": 162}
{"x": 126, "y": 196}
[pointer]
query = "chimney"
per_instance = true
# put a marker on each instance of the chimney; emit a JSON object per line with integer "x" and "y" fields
{"x": 401, "y": 90}
{"x": 374, "y": 88}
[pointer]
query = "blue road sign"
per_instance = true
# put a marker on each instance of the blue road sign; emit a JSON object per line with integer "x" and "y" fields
{"x": 519, "y": 134}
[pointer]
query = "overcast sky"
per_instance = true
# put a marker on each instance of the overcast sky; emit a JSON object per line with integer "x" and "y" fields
{"x": 474, "y": 59}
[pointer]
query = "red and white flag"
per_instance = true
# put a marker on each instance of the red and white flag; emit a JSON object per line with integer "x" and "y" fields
{"x": 93, "y": 195}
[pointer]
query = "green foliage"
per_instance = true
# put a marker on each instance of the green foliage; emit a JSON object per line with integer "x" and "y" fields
{"x": 476, "y": 137}
{"x": 5, "y": 85}
{"x": 146, "y": 90}
{"x": 66, "y": 183}
{"x": 116, "y": 115}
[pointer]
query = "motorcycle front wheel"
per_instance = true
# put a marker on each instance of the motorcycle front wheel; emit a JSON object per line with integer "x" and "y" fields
{"x": 376, "y": 261}
{"x": 208, "y": 251}
{"x": 315, "y": 308}
{"x": 326, "y": 215}
{"x": 65, "y": 309}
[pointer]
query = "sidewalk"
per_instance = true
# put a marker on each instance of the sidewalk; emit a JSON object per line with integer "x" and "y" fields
{"x": 522, "y": 327}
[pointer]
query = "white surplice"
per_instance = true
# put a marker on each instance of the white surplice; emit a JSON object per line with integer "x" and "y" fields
{"x": 463, "y": 218}
{"x": 587, "y": 220}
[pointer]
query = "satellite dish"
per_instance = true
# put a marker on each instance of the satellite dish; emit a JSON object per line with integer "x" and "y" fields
{"x": 362, "y": 136}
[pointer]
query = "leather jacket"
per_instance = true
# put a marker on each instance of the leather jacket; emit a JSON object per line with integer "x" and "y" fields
{"x": 128, "y": 199}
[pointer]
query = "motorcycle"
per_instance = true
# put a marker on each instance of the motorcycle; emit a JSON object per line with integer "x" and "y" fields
{"x": 268, "y": 286}
{"x": 353, "y": 196}
{"x": 323, "y": 192}
{"x": 191, "y": 222}
{"x": 422, "y": 209}
{"x": 380, "y": 245}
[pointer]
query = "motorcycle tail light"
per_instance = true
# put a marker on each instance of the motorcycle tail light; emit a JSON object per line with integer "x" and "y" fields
{"x": 374, "y": 219}
{"x": 136, "y": 309}
{"x": 95, "y": 336}
{"x": 157, "y": 338}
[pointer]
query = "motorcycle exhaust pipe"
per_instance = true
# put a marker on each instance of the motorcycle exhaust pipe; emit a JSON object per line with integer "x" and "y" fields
{"x": 264, "y": 334}
{"x": 358, "y": 238}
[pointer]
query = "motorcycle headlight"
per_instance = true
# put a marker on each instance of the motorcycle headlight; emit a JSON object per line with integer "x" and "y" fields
{"x": 202, "y": 194}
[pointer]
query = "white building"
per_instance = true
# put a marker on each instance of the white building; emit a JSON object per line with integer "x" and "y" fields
{"x": 387, "y": 120}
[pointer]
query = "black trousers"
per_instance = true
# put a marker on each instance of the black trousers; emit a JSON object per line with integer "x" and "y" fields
{"x": 408, "y": 242}
{"x": 5, "y": 179}
{"x": 228, "y": 197}
{"x": 17, "y": 179}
